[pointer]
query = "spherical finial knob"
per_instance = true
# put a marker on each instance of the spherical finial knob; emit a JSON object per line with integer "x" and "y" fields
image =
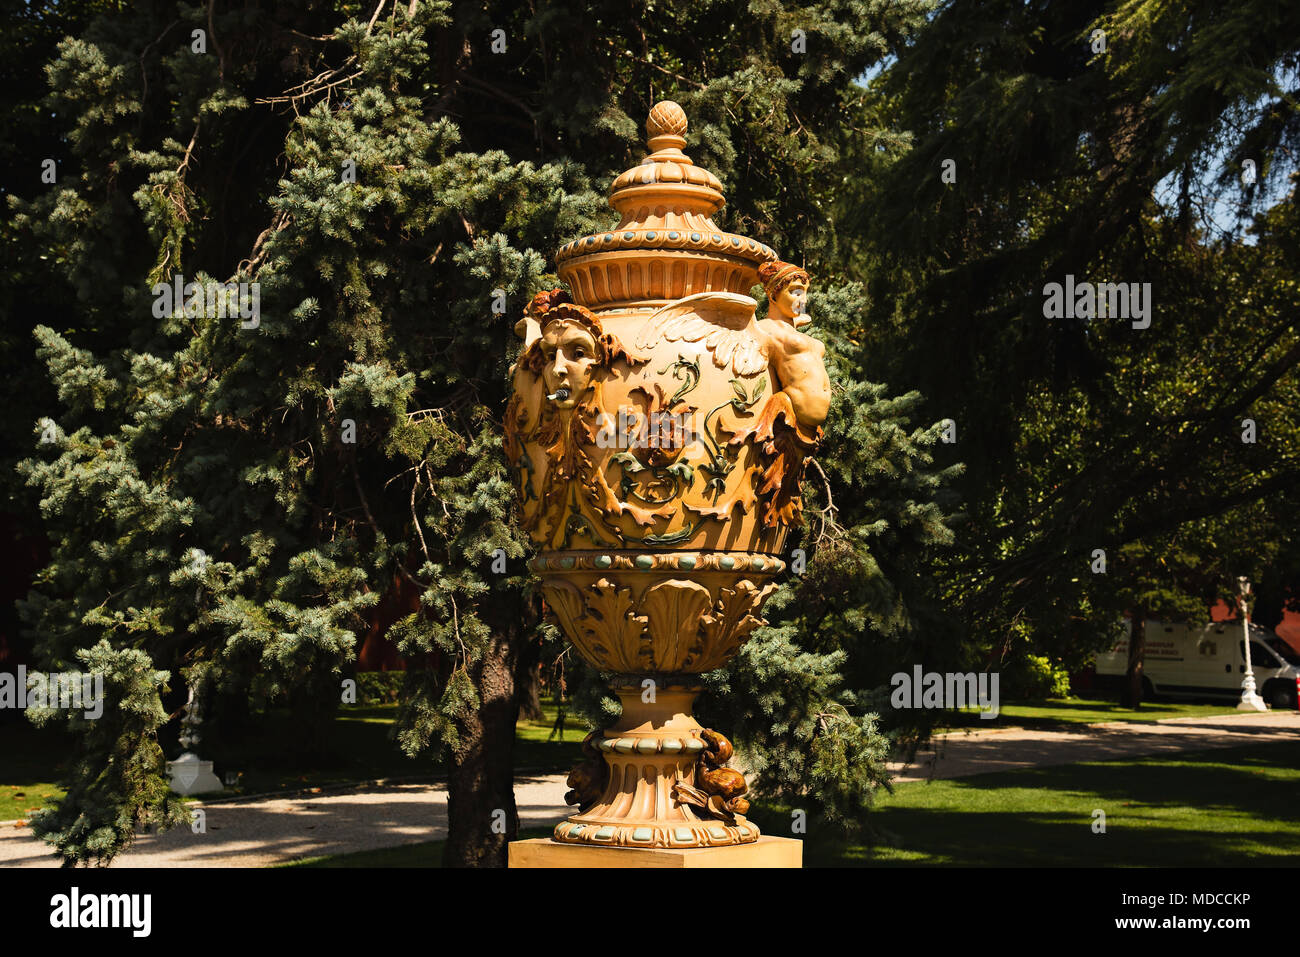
{"x": 666, "y": 117}
{"x": 666, "y": 125}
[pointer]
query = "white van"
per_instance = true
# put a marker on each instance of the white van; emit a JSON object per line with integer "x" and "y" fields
{"x": 1208, "y": 660}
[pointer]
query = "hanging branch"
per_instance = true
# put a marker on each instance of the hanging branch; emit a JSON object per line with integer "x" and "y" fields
{"x": 827, "y": 514}
{"x": 281, "y": 220}
{"x": 370, "y": 519}
{"x": 416, "y": 519}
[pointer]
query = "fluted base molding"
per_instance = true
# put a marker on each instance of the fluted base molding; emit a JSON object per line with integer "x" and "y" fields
{"x": 654, "y": 746}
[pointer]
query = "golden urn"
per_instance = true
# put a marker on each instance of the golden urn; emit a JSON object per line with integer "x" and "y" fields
{"x": 657, "y": 435}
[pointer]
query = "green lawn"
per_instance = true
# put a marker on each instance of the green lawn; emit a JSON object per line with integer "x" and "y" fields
{"x": 1223, "y": 808}
{"x": 357, "y": 747}
{"x": 32, "y": 757}
{"x": 1052, "y": 711}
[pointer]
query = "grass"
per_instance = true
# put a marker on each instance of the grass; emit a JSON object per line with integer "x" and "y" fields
{"x": 1056, "y": 711}
{"x": 1223, "y": 808}
{"x": 1226, "y": 807}
{"x": 358, "y": 747}
{"x": 270, "y": 757}
{"x": 534, "y": 747}
{"x": 32, "y": 756}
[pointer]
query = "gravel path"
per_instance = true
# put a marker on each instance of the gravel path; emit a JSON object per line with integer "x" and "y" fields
{"x": 256, "y": 832}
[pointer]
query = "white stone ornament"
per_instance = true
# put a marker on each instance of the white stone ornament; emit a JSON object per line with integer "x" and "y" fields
{"x": 191, "y": 775}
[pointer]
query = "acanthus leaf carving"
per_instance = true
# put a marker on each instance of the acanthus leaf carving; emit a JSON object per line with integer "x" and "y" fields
{"x": 612, "y": 625}
{"x": 733, "y": 619}
{"x": 565, "y": 603}
{"x": 673, "y": 609}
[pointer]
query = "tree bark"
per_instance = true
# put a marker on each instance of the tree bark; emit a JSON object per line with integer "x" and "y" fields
{"x": 1137, "y": 646}
{"x": 481, "y": 814}
{"x": 530, "y": 683}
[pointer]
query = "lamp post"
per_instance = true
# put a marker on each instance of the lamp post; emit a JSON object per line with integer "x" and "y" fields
{"x": 1250, "y": 701}
{"x": 189, "y": 773}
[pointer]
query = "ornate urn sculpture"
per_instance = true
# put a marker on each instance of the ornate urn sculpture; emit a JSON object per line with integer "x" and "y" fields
{"x": 657, "y": 434}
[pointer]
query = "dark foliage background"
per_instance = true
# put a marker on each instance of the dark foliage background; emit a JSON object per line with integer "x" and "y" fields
{"x": 208, "y": 525}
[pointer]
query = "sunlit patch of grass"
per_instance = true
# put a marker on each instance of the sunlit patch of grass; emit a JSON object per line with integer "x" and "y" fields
{"x": 1227, "y": 807}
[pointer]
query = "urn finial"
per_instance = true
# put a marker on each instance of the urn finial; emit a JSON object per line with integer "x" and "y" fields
{"x": 666, "y": 245}
{"x": 666, "y": 126}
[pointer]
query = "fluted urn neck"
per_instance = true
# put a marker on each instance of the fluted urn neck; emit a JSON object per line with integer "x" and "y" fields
{"x": 666, "y": 244}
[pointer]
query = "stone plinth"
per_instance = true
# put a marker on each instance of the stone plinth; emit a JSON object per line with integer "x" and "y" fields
{"x": 765, "y": 852}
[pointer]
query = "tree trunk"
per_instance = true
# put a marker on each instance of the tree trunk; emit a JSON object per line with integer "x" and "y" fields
{"x": 481, "y": 814}
{"x": 1137, "y": 646}
{"x": 530, "y": 683}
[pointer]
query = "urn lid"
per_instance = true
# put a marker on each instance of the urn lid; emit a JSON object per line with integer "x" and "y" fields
{"x": 666, "y": 245}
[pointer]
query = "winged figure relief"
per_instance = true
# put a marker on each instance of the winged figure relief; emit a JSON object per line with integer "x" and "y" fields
{"x": 723, "y": 321}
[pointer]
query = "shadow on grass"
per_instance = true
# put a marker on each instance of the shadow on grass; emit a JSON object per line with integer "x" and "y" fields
{"x": 1259, "y": 780}
{"x": 357, "y": 746}
{"x": 31, "y": 753}
{"x": 269, "y": 755}
{"x": 1223, "y": 808}
{"x": 32, "y": 760}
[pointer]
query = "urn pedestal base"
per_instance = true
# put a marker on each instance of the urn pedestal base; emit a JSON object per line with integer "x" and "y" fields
{"x": 655, "y": 747}
{"x": 765, "y": 852}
